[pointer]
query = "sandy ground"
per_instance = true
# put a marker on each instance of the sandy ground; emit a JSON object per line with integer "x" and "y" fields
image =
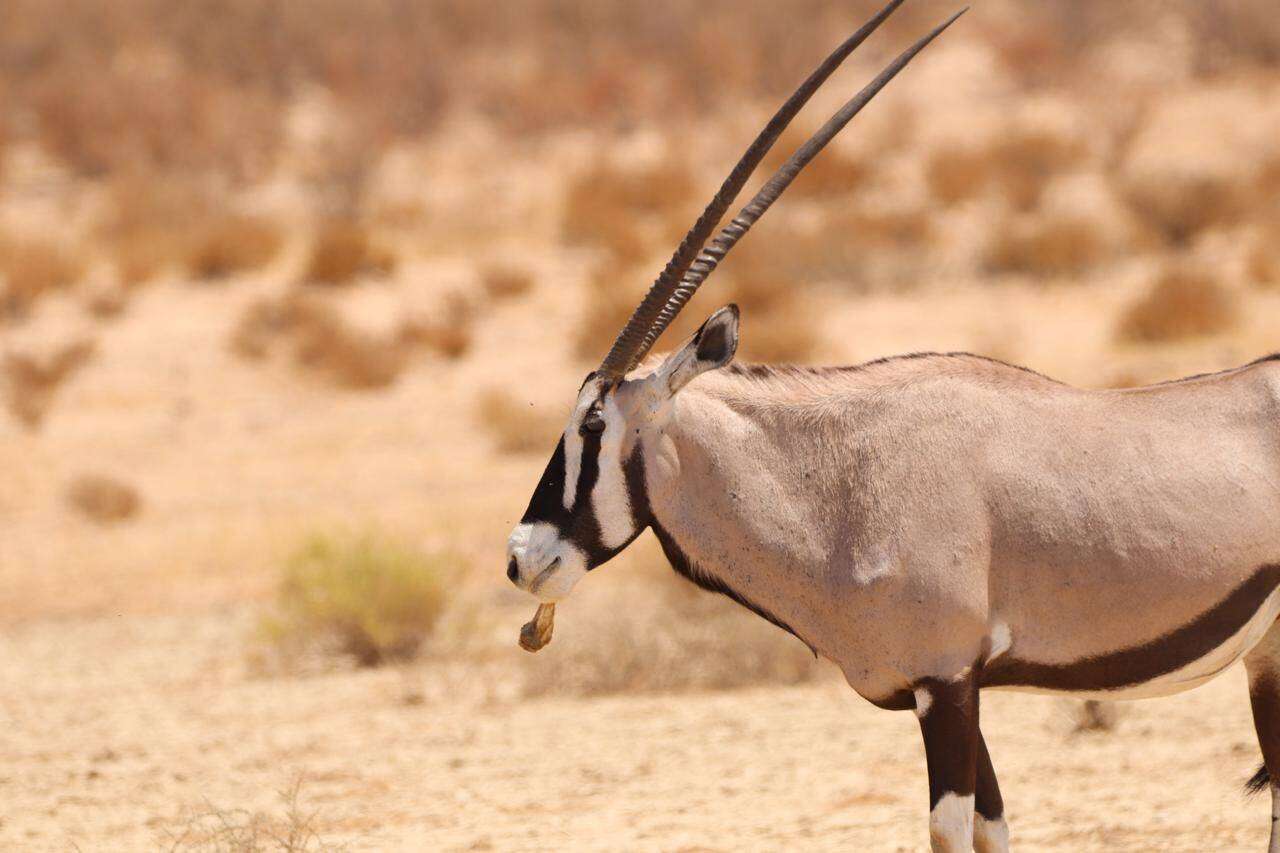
{"x": 118, "y": 733}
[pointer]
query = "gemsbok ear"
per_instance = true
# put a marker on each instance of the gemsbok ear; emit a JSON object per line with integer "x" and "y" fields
{"x": 712, "y": 346}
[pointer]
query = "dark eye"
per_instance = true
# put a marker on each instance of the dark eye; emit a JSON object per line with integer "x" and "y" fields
{"x": 592, "y": 423}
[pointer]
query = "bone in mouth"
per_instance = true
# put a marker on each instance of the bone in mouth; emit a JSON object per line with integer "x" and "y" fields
{"x": 536, "y": 633}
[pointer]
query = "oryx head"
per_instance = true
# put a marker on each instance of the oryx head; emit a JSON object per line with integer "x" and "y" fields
{"x": 589, "y": 504}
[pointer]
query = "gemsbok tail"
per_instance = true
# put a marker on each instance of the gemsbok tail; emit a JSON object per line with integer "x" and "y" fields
{"x": 1258, "y": 782}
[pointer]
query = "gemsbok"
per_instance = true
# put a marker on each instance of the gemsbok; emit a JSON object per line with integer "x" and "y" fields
{"x": 933, "y": 523}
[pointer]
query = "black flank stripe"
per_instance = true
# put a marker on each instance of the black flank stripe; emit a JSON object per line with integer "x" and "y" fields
{"x": 1138, "y": 664}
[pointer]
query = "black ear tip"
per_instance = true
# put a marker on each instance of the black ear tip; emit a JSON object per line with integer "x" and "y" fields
{"x": 717, "y": 340}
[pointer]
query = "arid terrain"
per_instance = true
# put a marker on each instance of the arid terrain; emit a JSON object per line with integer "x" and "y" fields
{"x": 134, "y": 733}
{"x": 287, "y": 332}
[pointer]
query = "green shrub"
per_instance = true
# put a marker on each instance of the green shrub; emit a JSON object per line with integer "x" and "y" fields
{"x": 374, "y": 599}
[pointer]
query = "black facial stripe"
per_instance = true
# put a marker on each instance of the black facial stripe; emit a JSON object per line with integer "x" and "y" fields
{"x": 637, "y": 490}
{"x": 585, "y": 532}
{"x": 547, "y": 503}
{"x": 713, "y": 583}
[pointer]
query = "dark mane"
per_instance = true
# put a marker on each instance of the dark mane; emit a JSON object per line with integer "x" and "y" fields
{"x": 785, "y": 371}
{"x": 1275, "y": 356}
{"x": 770, "y": 371}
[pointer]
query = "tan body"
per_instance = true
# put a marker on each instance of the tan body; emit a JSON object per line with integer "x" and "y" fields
{"x": 919, "y": 504}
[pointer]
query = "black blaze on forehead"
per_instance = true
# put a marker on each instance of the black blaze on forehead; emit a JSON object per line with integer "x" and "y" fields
{"x": 547, "y": 503}
{"x": 578, "y": 524}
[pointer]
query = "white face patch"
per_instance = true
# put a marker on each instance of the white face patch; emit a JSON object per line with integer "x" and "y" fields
{"x": 556, "y": 585}
{"x": 532, "y": 545}
{"x": 550, "y": 566}
{"x": 572, "y": 463}
{"x": 609, "y": 499}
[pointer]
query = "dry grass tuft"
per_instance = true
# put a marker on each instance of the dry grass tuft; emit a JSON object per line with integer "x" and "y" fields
{"x": 141, "y": 256}
{"x": 1183, "y": 302}
{"x": 216, "y": 830}
{"x": 626, "y": 211}
{"x": 1023, "y": 160}
{"x": 448, "y": 334}
{"x": 342, "y": 250}
{"x": 104, "y": 301}
{"x": 367, "y": 597}
{"x": 516, "y": 427}
{"x": 1045, "y": 246}
{"x": 955, "y": 174}
{"x": 229, "y": 245}
{"x": 659, "y": 633}
{"x": 504, "y": 281}
{"x": 1263, "y": 260}
{"x": 779, "y": 323}
{"x": 1019, "y": 162}
{"x": 1179, "y": 207}
{"x": 32, "y": 268}
{"x": 149, "y": 225}
{"x": 316, "y": 338}
{"x": 608, "y": 306}
{"x": 262, "y": 322}
{"x": 103, "y": 499}
{"x": 349, "y": 357}
{"x": 1094, "y": 716}
{"x": 32, "y": 381}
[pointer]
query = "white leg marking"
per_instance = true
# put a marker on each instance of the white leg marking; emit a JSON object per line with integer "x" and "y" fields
{"x": 609, "y": 497}
{"x": 990, "y": 836}
{"x": 924, "y": 699}
{"x": 1001, "y": 640}
{"x": 951, "y": 824}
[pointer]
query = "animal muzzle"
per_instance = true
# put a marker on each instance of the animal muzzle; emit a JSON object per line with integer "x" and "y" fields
{"x": 542, "y": 563}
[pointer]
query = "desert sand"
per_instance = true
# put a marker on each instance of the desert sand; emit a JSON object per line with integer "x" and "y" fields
{"x": 126, "y": 733}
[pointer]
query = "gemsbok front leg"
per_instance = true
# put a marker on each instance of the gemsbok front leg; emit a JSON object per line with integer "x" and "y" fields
{"x": 1263, "y": 667}
{"x": 990, "y": 832}
{"x": 948, "y": 713}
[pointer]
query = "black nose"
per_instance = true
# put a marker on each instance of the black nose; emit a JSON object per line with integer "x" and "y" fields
{"x": 513, "y": 571}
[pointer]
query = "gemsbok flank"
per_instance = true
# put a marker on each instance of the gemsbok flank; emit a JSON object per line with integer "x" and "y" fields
{"x": 932, "y": 523}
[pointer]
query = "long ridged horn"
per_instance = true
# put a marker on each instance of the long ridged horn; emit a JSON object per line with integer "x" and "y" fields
{"x": 711, "y": 255}
{"x": 636, "y": 336}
